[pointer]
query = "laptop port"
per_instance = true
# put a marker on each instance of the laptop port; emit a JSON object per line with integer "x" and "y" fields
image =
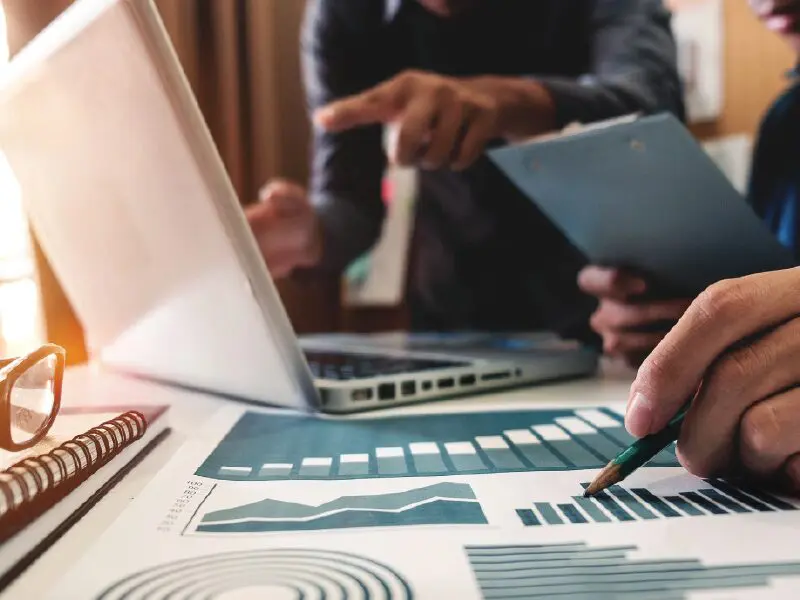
{"x": 408, "y": 388}
{"x": 496, "y": 376}
{"x": 467, "y": 380}
{"x": 427, "y": 386}
{"x": 446, "y": 383}
{"x": 362, "y": 394}
{"x": 386, "y": 391}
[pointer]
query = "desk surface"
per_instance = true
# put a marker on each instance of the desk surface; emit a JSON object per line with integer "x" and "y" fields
{"x": 189, "y": 411}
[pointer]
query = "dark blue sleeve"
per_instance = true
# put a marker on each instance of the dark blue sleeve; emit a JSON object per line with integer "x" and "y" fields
{"x": 634, "y": 66}
{"x": 339, "y": 47}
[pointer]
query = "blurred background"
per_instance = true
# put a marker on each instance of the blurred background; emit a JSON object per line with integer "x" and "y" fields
{"x": 242, "y": 59}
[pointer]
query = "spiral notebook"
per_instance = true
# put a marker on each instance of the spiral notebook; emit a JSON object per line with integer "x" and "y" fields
{"x": 46, "y": 489}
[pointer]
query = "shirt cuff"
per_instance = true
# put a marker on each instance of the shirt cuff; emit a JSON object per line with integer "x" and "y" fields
{"x": 346, "y": 234}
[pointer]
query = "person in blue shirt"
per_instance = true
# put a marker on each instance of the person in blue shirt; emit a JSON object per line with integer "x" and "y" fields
{"x": 736, "y": 350}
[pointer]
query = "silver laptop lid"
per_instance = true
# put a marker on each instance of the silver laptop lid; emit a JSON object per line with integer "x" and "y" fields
{"x": 132, "y": 204}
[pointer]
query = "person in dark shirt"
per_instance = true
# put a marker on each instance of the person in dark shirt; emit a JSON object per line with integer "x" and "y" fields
{"x": 623, "y": 319}
{"x": 454, "y": 77}
{"x": 736, "y": 350}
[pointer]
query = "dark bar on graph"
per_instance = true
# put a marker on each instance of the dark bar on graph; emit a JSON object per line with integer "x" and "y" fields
{"x": 572, "y": 513}
{"x": 591, "y": 509}
{"x": 632, "y": 503}
{"x": 602, "y": 445}
{"x": 724, "y": 501}
{"x": 709, "y": 506}
{"x": 527, "y": 517}
{"x": 738, "y": 495}
{"x": 429, "y": 463}
{"x": 548, "y": 514}
{"x": 777, "y": 503}
{"x": 467, "y": 463}
{"x": 656, "y": 503}
{"x": 613, "y": 507}
{"x": 687, "y": 507}
{"x": 575, "y": 453}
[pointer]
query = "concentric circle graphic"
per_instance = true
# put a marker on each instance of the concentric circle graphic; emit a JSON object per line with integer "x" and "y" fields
{"x": 275, "y": 574}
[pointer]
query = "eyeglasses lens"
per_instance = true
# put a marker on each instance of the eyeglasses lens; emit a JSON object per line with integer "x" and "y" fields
{"x": 32, "y": 400}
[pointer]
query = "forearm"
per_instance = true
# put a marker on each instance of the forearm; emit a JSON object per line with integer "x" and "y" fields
{"x": 525, "y": 106}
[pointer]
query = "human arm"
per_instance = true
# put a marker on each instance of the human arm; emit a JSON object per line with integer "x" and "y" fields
{"x": 736, "y": 351}
{"x": 447, "y": 121}
{"x": 634, "y": 66}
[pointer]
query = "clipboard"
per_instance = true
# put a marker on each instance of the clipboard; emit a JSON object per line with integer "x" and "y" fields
{"x": 641, "y": 193}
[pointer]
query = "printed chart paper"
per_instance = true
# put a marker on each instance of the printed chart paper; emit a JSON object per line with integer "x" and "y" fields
{"x": 427, "y": 525}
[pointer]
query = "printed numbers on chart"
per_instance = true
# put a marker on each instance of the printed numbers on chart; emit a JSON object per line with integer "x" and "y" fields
{"x": 184, "y": 506}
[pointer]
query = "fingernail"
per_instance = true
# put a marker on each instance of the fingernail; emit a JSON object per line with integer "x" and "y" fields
{"x": 323, "y": 115}
{"x": 639, "y": 416}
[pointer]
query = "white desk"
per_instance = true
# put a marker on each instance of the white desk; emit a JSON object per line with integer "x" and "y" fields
{"x": 191, "y": 410}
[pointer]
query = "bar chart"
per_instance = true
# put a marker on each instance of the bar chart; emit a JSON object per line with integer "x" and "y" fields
{"x": 619, "y": 504}
{"x": 265, "y": 447}
{"x": 578, "y": 571}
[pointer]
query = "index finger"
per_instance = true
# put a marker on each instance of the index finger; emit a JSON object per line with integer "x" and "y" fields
{"x": 610, "y": 283}
{"x": 727, "y": 312}
{"x": 378, "y": 105}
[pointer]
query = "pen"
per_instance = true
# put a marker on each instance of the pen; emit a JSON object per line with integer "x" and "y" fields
{"x": 637, "y": 454}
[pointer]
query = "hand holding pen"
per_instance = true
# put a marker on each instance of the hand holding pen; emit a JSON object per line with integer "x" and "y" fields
{"x": 735, "y": 354}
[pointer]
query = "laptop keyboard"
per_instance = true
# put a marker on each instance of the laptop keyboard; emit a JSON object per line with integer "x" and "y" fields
{"x": 342, "y": 366}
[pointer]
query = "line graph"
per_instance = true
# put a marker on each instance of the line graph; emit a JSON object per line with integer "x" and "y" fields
{"x": 269, "y": 447}
{"x": 438, "y": 504}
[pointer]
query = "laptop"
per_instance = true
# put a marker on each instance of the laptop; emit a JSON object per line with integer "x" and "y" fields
{"x": 133, "y": 207}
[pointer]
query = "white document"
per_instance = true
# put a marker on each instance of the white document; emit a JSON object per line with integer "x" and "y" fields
{"x": 461, "y": 505}
{"x": 378, "y": 277}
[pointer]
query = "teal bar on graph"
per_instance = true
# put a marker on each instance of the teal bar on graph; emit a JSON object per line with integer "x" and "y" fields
{"x": 576, "y": 454}
{"x": 503, "y": 459}
{"x": 724, "y": 501}
{"x": 539, "y": 456}
{"x": 392, "y": 465}
{"x": 353, "y": 468}
{"x": 467, "y": 463}
{"x": 635, "y": 506}
{"x": 429, "y": 464}
{"x": 315, "y": 470}
{"x": 740, "y": 496}
{"x": 548, "y": 513}
{"x": 602, "y": 445}
{"x": 591, "y": 509}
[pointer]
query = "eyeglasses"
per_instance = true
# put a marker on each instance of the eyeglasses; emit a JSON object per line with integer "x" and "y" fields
{"x": 30, "y": 396}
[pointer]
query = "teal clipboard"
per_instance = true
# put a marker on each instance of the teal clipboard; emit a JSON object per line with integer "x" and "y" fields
{"x": 644, "y": 194}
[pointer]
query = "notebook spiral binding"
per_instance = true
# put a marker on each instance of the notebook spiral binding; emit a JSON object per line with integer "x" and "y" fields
{"x": 34, "y": 484}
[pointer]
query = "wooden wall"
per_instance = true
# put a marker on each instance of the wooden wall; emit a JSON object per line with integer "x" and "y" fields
{"x": 756, "y": 61}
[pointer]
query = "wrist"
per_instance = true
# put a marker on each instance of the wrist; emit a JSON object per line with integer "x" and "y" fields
{"x": 524, "y": 106}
